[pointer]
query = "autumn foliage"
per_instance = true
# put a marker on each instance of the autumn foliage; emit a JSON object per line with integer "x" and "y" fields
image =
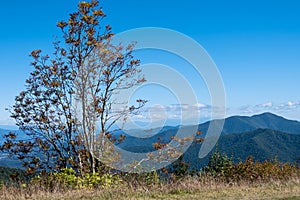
{"x": 68, "y": 93}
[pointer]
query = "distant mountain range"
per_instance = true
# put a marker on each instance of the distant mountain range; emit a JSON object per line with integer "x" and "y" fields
{"x": 263, "y": 136}
{"x": 240, "y": 124}
{"x": 20, "y": 134}
{"x": 263, "y": 144}
{"x": 3, "y": 131}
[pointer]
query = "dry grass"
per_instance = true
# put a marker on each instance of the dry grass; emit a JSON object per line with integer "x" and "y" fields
{"x": 247, "y": 180}
{"x": 189, "y": 188}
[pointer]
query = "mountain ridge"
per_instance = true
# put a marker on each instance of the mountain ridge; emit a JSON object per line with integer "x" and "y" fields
{"x": 262, "y": 144}
{"x": 261, "y": 135}
{"x": 232, "y": 125}
{"x": 239, "y": 124}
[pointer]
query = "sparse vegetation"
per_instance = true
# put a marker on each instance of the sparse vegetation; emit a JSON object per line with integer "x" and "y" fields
{"x": 221, "y": 179}
{"x": 187, "y": 188}
{"x": 223, "y": 168}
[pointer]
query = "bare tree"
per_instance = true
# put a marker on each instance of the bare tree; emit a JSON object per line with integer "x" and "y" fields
{"x": 108, "y": 70}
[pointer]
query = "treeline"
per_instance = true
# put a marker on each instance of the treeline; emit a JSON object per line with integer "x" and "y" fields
{"x": 13, "y": 176}
{"x": 220, "y": 168}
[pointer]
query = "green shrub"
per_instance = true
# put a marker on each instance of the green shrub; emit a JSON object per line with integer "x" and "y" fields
{"x": 146, "y": 178}
{"x": 94, "y": 180}
{"x": 151, "y": 178}
{"x": 67, "y": 179}
{"x": 219, "y": 165}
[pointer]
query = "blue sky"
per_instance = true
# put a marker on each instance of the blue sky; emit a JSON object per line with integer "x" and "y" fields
{"x": 255, "y": 44}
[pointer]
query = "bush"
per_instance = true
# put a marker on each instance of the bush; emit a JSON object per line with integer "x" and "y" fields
{"x": 251, "y": 170}
{"x": 146, "y": 178}
{"x": 95, "y": 180}
{"x": 67, "y": 179}
{"x": 222, "y": 167}
{"x": 219, "y": 165}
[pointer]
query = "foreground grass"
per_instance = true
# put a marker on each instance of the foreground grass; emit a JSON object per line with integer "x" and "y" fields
{"x": 222, "y": 179}
{"x": 190, "y": 188}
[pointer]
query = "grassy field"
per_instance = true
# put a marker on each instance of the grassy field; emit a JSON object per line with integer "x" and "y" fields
{"x": 221, "y": 179}
{"x": 186, "y": 189}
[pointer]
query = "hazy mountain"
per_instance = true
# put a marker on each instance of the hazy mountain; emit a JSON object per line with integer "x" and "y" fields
{"x": 232, "y": 125}
{"x": 264, "y": 136}
{"x": 8, "y": 127}
{"x": 4, "y": 131}
{"x": 4, "y": 160}
{"x": 240, "y": 124}
{"x": 21, "y": 134}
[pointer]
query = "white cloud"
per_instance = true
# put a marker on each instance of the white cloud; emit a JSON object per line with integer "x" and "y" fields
{"x": 269, "y": 106}
{"x": 266, "y": 105}
{"x": 174, "y": 111}
{"x": 292, "y": 104}
{"x": 201, "y": 105}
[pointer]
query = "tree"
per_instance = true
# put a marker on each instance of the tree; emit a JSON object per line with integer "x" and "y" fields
{"x": 69, "y": 95}
{"x": 97, "y": 81}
